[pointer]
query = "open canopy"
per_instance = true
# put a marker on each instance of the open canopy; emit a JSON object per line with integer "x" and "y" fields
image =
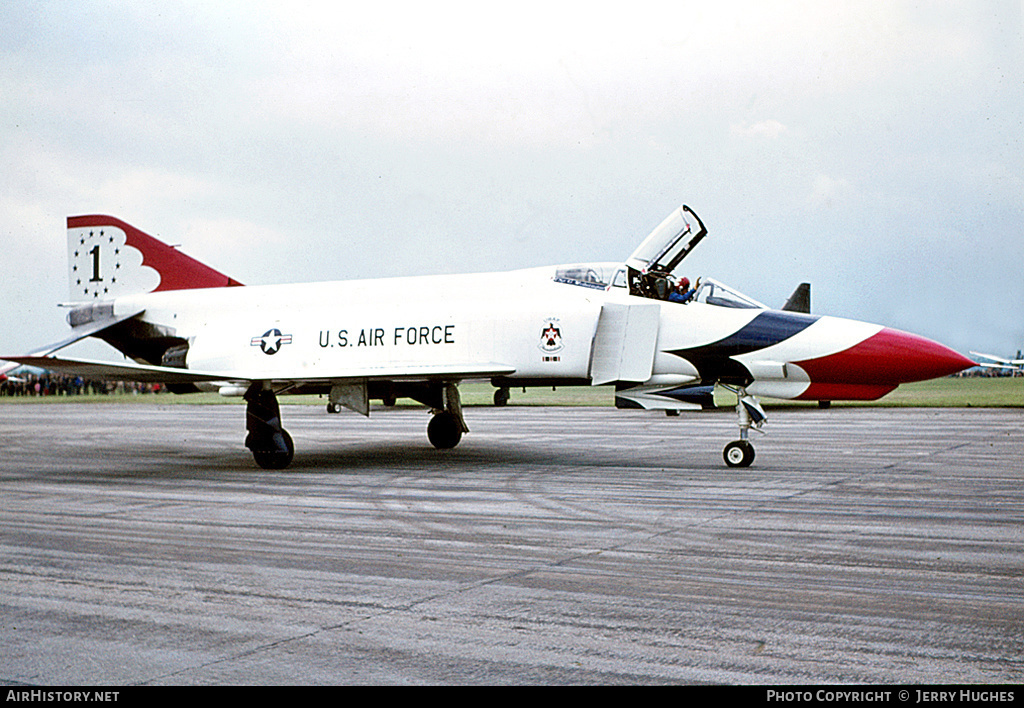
{"x": 651, "y": 266}
{"x": 666, "y": 247}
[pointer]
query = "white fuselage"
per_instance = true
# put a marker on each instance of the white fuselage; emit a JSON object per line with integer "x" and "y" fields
{"x": 347, "y": 328}
{"x": 524, "y": 320}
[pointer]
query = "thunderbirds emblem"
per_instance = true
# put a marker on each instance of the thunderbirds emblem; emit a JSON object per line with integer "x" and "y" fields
{"x": 271, "y": 341}
{"x": 551, "y": 337}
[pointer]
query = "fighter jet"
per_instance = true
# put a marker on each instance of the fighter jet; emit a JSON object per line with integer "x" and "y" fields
{"x": 629, "y": 325}
{"x": 998, "y": 362}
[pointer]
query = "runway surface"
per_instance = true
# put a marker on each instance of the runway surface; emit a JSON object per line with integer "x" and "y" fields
{"x": 141, "y": 545}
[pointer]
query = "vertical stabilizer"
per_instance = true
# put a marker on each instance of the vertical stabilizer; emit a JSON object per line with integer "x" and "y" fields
{"x": 108, "y": 258}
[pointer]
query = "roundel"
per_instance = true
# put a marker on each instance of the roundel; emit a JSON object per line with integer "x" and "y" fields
{"x": 271, "y": 341}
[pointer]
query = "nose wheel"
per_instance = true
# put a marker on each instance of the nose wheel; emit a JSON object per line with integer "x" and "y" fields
{"x": 740, "y": 453}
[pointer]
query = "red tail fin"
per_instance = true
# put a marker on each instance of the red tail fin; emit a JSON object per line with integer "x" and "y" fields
{"x": 107, "y": 258}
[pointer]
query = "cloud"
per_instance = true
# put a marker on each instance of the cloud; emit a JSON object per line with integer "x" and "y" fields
{"x": 828, "y": 192}
{"x": 763, "y": 129}
{"x": 370, "y": 138}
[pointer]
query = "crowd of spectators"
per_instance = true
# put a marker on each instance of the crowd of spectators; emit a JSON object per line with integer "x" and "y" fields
{"x": 47, "y": 384}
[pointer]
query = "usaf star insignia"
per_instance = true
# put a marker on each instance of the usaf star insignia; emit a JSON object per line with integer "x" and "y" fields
{"x": 271, "y": 341}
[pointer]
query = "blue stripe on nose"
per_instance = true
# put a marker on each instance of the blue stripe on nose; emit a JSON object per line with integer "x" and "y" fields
{"x": 770, "y": 327}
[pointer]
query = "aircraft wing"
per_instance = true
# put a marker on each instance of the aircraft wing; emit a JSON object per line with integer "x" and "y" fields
{"x": 106, "y": 371}
{"x": 409, "y": 372}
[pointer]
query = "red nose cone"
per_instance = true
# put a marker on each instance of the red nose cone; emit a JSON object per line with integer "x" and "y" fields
{"x": 890, "y": 358}
{"x": 905, "y": 357}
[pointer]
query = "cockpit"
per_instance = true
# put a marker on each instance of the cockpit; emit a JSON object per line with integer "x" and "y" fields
{"x": 650, "y": 271}
{"x": 602, "y": 276}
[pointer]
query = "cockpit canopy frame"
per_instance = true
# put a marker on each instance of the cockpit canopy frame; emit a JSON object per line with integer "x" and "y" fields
{"x": 653, "y": 262}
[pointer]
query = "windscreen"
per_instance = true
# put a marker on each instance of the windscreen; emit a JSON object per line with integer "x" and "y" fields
{"x": 711, "y": 292}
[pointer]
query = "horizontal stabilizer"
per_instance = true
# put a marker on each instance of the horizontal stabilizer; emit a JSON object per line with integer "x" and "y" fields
{"x": 106, "y": 371}
{"x": 95, "y": 321}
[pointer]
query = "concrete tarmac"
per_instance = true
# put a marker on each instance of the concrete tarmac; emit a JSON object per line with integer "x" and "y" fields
{"x": 141, "y": 545}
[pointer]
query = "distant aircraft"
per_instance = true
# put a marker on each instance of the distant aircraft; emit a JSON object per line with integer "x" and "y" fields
{"x": 998, "y": 362}
{"x": 193, "y": 328}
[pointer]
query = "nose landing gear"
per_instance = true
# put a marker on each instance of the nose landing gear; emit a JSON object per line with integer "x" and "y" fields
{"x": 740, "y": 453}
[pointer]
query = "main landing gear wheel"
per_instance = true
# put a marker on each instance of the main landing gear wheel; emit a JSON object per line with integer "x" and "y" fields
{"x": 501, "y": 396}
{"x": 271, "y": 445}
{"x": 280, "y": 456}
{"x": 739, "y": 453}
{"x": 444, "y": 431}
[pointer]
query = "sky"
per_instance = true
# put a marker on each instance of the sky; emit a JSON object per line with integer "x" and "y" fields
{"x": 873, "y": 149}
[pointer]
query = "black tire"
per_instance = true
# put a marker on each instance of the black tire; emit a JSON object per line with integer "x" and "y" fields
{"x": 444, "y": 431}
{"x": 738, "y": 453}
{"x": 276, "y": 459}
{"x": 501, "y": 396}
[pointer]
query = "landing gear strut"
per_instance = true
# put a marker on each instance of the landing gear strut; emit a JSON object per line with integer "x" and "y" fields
{"x": 271, "y": 445}
{"x": 740, "y": 453}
